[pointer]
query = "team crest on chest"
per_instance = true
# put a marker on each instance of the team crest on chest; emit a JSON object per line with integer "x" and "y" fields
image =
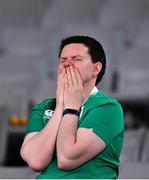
{"x": 48, "y": 113}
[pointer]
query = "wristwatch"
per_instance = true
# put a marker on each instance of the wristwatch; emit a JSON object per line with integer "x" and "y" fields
{"x": 71, "y": 111}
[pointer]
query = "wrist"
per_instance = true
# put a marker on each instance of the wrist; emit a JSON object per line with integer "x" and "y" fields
{"x": 59, "y": 107}
{"x": 71, "y": 111}
{"x": 72, "y": 107}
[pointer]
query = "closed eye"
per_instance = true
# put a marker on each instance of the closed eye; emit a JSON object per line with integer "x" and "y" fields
{"x": 77, "y": 59}
{"x": 62, "y": 60}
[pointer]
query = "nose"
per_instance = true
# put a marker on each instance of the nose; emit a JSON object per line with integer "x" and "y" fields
{"x": 68, "y": 62}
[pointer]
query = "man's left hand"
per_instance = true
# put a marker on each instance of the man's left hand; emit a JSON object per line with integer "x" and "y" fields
{"x": 73, "y": 93}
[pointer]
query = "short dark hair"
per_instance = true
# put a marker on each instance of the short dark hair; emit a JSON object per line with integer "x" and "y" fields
{"x": 95, "y": 50}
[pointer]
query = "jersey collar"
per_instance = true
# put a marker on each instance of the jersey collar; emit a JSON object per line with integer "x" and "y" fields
{"x": 92, "y": 93}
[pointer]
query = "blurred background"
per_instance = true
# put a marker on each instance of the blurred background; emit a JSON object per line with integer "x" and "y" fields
{"x": 30, "y": 34}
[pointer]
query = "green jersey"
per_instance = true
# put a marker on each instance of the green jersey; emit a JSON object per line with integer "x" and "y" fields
{"x": 105, "y": 116}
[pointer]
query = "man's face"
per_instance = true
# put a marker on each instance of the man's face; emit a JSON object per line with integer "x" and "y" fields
{"x": 77, "y": 55}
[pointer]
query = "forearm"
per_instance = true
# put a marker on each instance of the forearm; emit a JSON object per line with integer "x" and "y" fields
{"x": 75, "y": 146}
{"x": 38, "y": 151}
{"x": 66, "y": 140}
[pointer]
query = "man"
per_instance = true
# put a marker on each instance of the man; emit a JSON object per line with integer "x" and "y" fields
{"x": 80, "y": 133}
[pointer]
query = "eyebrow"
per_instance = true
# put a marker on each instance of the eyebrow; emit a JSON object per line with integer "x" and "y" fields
{"x": 72, "y": 57}
{"x": 77, "y": 56}
{"x": 63, "y": 58}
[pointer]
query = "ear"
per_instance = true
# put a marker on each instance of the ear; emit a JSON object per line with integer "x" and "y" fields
{"x": 97, "y": 68}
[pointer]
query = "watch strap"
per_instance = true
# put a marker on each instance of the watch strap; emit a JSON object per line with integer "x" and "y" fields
{"x": 71, "y": 111}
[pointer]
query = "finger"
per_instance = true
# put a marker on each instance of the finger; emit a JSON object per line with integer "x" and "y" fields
{"x": 60, "y": 91}
{"x": 70, "y": 80}
{"x": 66, "y": 81}
{"x": 59, "y": 79}
{"x": 62, "y": 77}
{"x": 61, "y": 72}
{"x": 73, "y": 75}
{"x": 62, "y": 86}
{"x": 79, "y": 77}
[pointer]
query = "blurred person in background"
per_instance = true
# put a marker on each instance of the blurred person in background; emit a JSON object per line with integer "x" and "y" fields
{"x": 79, "y": 134}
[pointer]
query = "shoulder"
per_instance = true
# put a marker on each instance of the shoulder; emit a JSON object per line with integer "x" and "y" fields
{"x": 109, "y": 106}
{"x": 45, "y": 104}
{"x": 101, "y": 99}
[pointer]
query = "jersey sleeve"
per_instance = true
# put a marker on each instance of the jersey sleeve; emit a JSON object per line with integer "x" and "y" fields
{"x": 35, "y": 123}
{"x": 106, "y": 121}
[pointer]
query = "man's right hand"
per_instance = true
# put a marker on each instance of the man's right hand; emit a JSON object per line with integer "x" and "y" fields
{"x": 60, "y": 87}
